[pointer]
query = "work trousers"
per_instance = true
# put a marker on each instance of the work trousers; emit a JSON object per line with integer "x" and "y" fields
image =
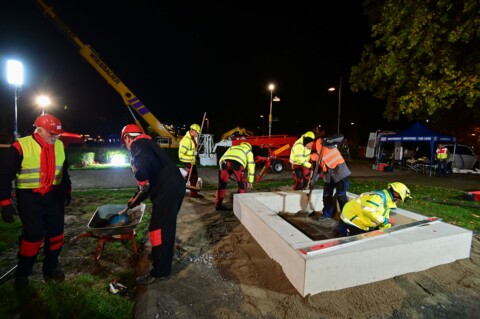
{"x": 228, "y": 168}
{"x": 42, "y": 222}
{"x": 442, "y": 167}
{"x": 193, "y": 177}
{"x": 345, "y": 229}
{"x": 166, "y": 204}
{"x": 340, "y": 188}
{"x": 300, "y": 176}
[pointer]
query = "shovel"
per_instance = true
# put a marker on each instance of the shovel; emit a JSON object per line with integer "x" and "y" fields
{"x": 311, "y": 185}
{"x": 191, "y": 187}
{"x": 117, "y": 219}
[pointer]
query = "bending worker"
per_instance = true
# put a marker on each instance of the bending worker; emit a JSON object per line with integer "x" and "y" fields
{"x": 158, "y": 177}
{"x": 371, "y": 211}
{"x": 187, "y": 154}
{"x": 335, "y": 172}
{"x": 43, "y": 189}
{"x": 235, "y": 160}
{"x": 300, "y": 159}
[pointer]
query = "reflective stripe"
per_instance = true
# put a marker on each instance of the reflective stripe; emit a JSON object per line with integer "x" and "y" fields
{"x": 155, "y": 237}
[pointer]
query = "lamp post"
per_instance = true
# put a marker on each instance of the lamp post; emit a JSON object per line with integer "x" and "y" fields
{"x": 271, "y": 87}
{"x": 43, "y": 101}
{"x": 15, "y": 78}
{"x": 332, "y": 89}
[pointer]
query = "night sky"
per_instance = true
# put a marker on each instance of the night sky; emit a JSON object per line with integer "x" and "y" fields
{"x": 184, "y": 58}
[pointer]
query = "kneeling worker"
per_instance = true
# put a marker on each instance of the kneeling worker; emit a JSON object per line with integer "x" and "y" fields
{"x": 235, "y": 160}
{"x": 371, "y": 210}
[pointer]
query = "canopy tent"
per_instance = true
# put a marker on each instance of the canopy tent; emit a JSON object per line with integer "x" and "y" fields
{"x": 418, "y": 133}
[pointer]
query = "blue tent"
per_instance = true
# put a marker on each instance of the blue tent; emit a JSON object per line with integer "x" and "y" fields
{"x": 418, "y": 133}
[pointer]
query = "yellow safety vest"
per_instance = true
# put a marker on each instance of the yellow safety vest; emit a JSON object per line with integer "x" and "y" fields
{"x": 442, "y": 153}
{"x": 243, "y": 155}
{"x": 186, "y": 149}
{"x": 300, "y": 155}
{"x": 29, "y": 176}
{"x": 369, "y": 210}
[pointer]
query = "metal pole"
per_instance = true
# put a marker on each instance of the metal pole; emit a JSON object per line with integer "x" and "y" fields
{"x": 270, "y": 116}
{"x": 339, "y": 104}
{"x": 15, "y": 133}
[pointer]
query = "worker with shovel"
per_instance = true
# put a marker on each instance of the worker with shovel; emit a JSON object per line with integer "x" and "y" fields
{"x": 334, "y": 170}
{"x": 371, "y": 210}
{"x": 235, "y": 160}
{"x": 300, "y": 159}
{"x": 187, "y": 154}
{"x": 158, "y": 177}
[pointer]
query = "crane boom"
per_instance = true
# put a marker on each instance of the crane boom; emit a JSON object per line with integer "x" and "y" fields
{"x": 130, "y": 100}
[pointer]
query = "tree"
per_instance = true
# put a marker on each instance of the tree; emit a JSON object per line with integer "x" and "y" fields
{"x": 425, "y": 59}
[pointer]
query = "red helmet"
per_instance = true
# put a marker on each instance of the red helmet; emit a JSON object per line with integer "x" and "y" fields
{"x": 131, "y": 128}
{"x": 50, "y": 123}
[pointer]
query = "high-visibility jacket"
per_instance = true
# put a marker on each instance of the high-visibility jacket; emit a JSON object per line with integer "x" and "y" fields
{"x": 300, "y": 155}
{"x": 186, "y": 149}
{"x": 442, "y": 153}
{"x": 30, "y": 176}
{"x": 369, "y": 210}
{"x": 243, "y": 155}
{"x": 330, "y": 157}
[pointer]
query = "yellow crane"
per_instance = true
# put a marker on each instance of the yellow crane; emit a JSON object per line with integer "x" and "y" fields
{"x": 130, "y": 100}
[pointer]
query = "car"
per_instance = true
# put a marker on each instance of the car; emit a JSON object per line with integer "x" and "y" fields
{"x": 464, "y": 158}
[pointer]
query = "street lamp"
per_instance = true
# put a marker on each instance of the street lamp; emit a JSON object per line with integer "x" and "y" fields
{"x": 332, "y": 89}
{"x": 15, "y": 78}
{"x": 271, "y": 87}
{"x": 43, "y": 101}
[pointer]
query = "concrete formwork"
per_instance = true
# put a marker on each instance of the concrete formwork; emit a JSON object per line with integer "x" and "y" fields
{"x": 414, "y": 244}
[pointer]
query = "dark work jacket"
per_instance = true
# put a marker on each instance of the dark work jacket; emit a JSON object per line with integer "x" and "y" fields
{"x": 152, "y": 163}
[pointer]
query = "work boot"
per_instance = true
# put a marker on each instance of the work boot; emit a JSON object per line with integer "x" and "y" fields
{"x": 222, "y": 208}
{"x": 149, "y": 279}
{"x": 55, "y": 275}
{"x": 196, "y": 195}
{"x": 21, "y": 282}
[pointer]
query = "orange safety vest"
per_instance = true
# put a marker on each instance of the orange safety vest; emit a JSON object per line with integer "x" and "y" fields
{"x": 331, "y": 157}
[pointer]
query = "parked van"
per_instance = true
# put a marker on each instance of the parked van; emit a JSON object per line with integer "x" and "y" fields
{"x": 464, "y": 158}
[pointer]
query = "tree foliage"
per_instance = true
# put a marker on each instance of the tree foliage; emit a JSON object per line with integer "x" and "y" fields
{"x": 425, "y": 58}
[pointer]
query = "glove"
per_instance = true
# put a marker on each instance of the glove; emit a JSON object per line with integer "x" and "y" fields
{"x": 7, "y": 213}
{"x": 133, "y": 203}
{"x": 195, "y": 153}
{"x": 249, "y": 186}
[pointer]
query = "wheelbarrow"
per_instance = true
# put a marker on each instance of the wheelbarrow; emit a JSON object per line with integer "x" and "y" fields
{"x": 99, "y": 227}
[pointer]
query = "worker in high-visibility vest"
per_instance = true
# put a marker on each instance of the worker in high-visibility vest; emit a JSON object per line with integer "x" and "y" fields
{"x": 371, "y": 210}
{"x": 39, "y": 166}
{"x": 235, "y": 160}
{"x": 187, "y": 154}
{"x": 442, "y": 160}
{"x": 334, "y": 170}
{"x": 300, "y": 159}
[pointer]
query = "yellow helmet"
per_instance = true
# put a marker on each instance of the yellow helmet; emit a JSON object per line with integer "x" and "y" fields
{"x": 195, "y": 127}
{"x": 309, "y": 134}
{"x": 401, "y": 189}
{"x": 247, "y": 144}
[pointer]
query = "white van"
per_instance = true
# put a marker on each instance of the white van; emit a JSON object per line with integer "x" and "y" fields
{"x": 464, "y": 158}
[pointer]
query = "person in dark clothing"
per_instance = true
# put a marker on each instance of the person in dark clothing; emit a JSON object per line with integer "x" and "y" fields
{"x": 158, "y": 177}
{"x": 335, "y": 173}
{"x": 43, "y": 188}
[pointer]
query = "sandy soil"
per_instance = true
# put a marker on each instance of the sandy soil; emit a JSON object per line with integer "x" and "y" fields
{"x": 222, "y": 272}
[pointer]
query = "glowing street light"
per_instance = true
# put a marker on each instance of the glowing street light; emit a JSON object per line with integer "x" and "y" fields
{"x": 271, "y": 87}
{"x": 332, "y": 89}
{"x": 15, "y": 78}
{"x": 43, "y": 101}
